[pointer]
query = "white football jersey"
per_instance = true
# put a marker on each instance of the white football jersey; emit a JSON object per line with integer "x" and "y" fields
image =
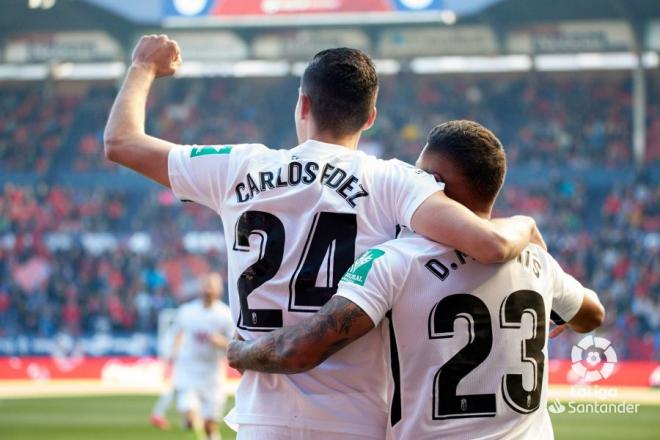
{"x": 197, "y": 356}
{"x": 468, "y": 342}
{"x": 295, "y": 220}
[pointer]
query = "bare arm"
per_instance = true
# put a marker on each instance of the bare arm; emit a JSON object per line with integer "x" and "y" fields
{"x": 590, "y": 316}
{"x": 125, "y": 140}
{"x": 302, "y": 347}
{"x": 446, "y": 221}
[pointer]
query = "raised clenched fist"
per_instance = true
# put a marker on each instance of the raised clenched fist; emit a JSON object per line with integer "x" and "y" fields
{"x": 158, "y": 54}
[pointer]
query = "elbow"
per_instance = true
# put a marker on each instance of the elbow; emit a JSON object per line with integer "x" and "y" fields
{"x": 116, "y": 144}
{"x": 596, "y": 319}
{"x": 112, "y": 145}
{"x": 590, "y": 322}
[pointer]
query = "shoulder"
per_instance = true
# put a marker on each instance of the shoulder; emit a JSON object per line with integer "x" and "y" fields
{"x": 249, "y": 150}
{"x": 541, "y": 255}
{"x": 411, "y": 245}
{"x": 395, "y": 256}
{"x": 392, "y": 165}
{"x": 222, "y": 309}
{"x": 224, "y": 150}
{"x": 396, "y": 170}
{"x": 187, "y": 308}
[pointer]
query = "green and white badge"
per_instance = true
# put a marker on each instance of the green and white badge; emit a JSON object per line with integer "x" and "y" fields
{"x": 357, "y": 273}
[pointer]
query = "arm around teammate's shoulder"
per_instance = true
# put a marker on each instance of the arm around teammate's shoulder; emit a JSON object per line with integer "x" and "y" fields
{"x": 298, "y": 348}
{"x": 591, "y": 314}
{"x": 574, "y": 303}
{"x": 446, "y": 221}
{"x": 365, "y": 294}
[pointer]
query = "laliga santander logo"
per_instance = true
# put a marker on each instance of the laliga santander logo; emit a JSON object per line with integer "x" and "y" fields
{"x": 593, "y": 358}
{"x": 556, "y": 407}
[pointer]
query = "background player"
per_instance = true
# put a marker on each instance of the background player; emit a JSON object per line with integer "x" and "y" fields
{"x": 298, "y": 219}
{"x": 467, "y": 340}
{"x": 204, "y": 327}
{"x": 158, "y": 415}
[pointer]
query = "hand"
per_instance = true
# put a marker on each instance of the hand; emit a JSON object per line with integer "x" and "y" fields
{"x": 558, "y": 330}
{"x": 158, "y": 54}
{"x": 537, "y": 238}
{"x": 233, "y": 354}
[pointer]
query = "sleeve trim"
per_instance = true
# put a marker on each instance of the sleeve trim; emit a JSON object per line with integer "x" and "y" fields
{"x": 361, "y": 303}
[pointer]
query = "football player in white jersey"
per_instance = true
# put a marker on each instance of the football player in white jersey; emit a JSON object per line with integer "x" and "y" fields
{"x": 203, "y": 329}
{"x": 295, "y": 220}
{"x": 468, "y": 341}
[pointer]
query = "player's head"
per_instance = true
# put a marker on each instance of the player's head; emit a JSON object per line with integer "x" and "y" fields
{"x": 337, "y": 96}
{"x": 212, "y": 288}
{"x": 469, "y": 159}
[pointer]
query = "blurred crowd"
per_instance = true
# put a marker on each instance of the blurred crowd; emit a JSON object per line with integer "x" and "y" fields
{"x": 71, "y": 260}
{"x": 90, "y": 259}
{"x": 542, "y": 119}
{"x": 611, "y": 243}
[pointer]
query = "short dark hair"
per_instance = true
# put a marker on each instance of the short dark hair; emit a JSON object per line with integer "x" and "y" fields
{"x": 342, "y": 86}
{"x": 476, "y": 152}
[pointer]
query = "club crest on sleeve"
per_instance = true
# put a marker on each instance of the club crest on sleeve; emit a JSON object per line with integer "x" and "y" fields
{"x": 210, "y": 149}
{"x": 357, "y": 273}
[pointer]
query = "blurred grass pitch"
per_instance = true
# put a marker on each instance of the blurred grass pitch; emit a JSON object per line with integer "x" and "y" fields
{"x": 126, "y": 418}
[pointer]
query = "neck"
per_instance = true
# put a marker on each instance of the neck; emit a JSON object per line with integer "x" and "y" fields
{"x": 484, "y": 212}
{"x": 207, "y": 302}
{"x": 479, "y": 209}
{"x": 350, "y": 142}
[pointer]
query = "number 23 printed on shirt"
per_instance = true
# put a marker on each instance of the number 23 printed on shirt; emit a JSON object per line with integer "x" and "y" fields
{"x": 447, "y": 404}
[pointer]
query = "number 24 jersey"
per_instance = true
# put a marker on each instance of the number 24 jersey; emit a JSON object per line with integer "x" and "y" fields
{"x": 294, "y": 221}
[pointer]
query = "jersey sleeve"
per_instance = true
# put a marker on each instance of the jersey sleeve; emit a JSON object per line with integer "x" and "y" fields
{"x": 404, "y": 189}
{"x": 567, "y": 293}
{"x": 371, "y": 283}
{"x": 201, "y": 173}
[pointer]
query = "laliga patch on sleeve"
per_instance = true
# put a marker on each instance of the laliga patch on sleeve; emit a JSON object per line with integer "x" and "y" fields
{"x": 209, "y": 149}
{"x": 357, "y": 273}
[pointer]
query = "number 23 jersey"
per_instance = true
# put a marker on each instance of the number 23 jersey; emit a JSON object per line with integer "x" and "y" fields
{"x": 468, "y": 342}
{"x": 294, "y": 221}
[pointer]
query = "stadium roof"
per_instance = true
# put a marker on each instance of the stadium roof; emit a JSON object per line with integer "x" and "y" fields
{"x": 115, "y": 16}
{"x": 522, "y": 11}
{"x": 64, "y": 15}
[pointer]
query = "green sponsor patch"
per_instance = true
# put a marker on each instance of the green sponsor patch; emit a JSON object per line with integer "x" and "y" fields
{"x": 209, "y": 149}
{"x": 357, "y": 273}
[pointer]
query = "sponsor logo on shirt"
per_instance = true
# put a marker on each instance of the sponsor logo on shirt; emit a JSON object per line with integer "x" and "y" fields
{"x": 357, "y": 273}
{"x": 209, "y": 149}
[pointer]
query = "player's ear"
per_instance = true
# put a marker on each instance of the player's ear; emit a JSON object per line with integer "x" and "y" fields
{"x": 372, "y": 118}
{"x": 304, "y": 107}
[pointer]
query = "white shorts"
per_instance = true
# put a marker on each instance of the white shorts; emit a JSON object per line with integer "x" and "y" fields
{"x": 261, "y": 432}
{"x": 209, "y": 402}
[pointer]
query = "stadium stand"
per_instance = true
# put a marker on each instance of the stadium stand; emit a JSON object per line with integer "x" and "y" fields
{"x": 548, "y": 119}
{"x": 87, "y": 244}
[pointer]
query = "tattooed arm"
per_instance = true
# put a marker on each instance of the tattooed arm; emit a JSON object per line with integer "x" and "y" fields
{"x": 302, "y": 347}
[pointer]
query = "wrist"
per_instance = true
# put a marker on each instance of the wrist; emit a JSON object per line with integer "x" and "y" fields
{"x": 144, "y": 68}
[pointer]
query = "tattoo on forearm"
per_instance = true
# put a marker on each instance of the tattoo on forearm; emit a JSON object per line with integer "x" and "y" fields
{"x": 300, "y": 347}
